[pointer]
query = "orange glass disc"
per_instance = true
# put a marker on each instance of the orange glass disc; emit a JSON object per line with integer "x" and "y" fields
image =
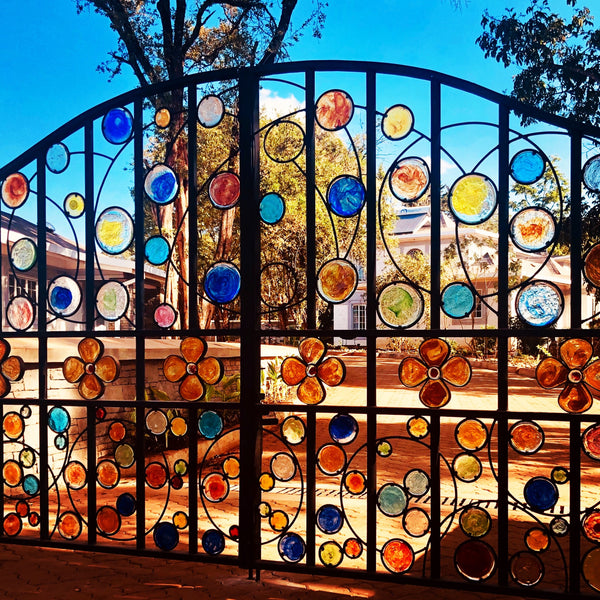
{"x": 15, "y": 190}
{"x": 412, "y": 372}
{"x": 156, "y": 475}
{"x": 12, "y": 524}
{"x": 331, "y": 371}
{"x": 526, "y": 437}
{"x": 434, "y": 394}
{"x": 591, "y": 267}
{"x": 331, "y": 459}
{"x": 191, "y": 388}
{"x": 310, "y": 391}
{"x": 12, "y": 368}
{"x": 215, "y": 487}
{"x": 591, "y": 526}
{"x": 90, "y": 350}
{"x": 434, "y": 352}
{"x": 278, "y": 520}
{"x": 334, "y": 110}
{"x": 397, "y": 556}
{"x": 193, "y": 349}
{"x": 75, "y": 475}
{"x": 471, "y": 434}
{"x": 457, "y": 371}
{"x": 353, "y": 548}
{"x": 162, "y": 117}
{"x": 22, "y": 508}
{"x": 180, "y": 520}
{"x": 576, "y": 353}
{"x": 13, "y": 425}
{"x": 575, "y": 398}
{"x": 537, "y": 539}
{"x": 107, "y": 474}
{"x": 551, "y": 373}
{"x": 174, "y": 368}
{"x": 293, "y": 370}
{"x": 266, "y": 482}
{"x": 12, "y": 473}
{"x": 355, "y": 482}
{"x": 210, "y": 370}
{"x": 108, "y": 520}
{"x": 231, "y": 467}
{"x": 337, "y": 280}
{"x": 418, "y": 427}
{"x": 178, "y": 426}
{"x": 311, "y": 350}
{"x": 117, "y": 431}
{"x": 69, "y": 526}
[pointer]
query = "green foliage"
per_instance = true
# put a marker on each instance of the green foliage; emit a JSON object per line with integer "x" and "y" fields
{"x": 530, "y": 346}
{"x": 227, "y": 390}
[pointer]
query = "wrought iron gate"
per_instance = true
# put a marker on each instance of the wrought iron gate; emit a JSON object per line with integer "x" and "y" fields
{"x": 313, "y": 317}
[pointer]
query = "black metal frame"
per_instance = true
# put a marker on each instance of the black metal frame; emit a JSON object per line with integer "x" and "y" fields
{"x": 251, "y": 334}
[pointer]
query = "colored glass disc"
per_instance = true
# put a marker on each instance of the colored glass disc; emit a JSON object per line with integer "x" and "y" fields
{"x": 13, "y": 425}
{"x": 539, "y": 303}
{"x": 526, "y": 568}
{"x": 23, "y": 254}
{"x": 475, "y": 521}
{"x": 117, "y": 125}
{"x": 471, "y": 434}
{"x": 337, "y": 280}
{"x": 114, "y": 230}
{"x": 291, "y": 547}
{"x": 224, "y": 190}
{"x": 215, "y": 487}
{"x": 272, "y": 208}
{"x": 210, "y": 111}
{"x": 397, "y": 122}
{"x": 467, "y": 467}
{"x": 162, "y": 117}
{"x": 161, "y": 184}
{"x": 397, "y": 556}
{"x": 458, "y": 300}
{"x": 416, "y": 482}
{"x": 278, "y": 520}
{"x": 210, "y": 424}
{"x": 69, "y": 525}
{"x": 166, "y": 536}
{"x": 343, "y": 428}
{"x": 107, "y": 474}
{"x": 165, "y": 315}
{"x": 410, "y": 179}
{"x": 591, "y": 265}
{"x": 58, "y": 419}
{"x": 180, "y": 520}
{"x": 418, "y": 427}
{"x": 283, "y": 466}
{"x": 527, "y": 166}
{"x": 329, "y": 519}
{"x": 64, "y": 296}
{"x": 400, "y": 305}
{"x": 540, "y": 493}
{"x": 331, "y": 554}
{"x": 12, "y": 473}
{"x": 157, "y": 250}
{"x": 591, "y": 526}
{"x": 537, "y": 539}
{"x": 392, "y": 500}
{"x": 74, "y": 205}
{"x": 178, "y": 426}
{"x": 126, "y": 504}
{"x": 124, "y": 456}
{"x": 213, "y": 542}
{"x": 526, "y": 437}
{"x": 331, "y": 459}
{"x": 156, "y": 475}
{"x": 473, "y": 199}
{"x": 222, "y": 282}
{"x": 293, "y": 430}
{"x": 353, "y": 548}
{"x": 475, "y": 560}
{"x": 591, "y": 441}
{"x": 591, "y": 568}
{"x": 156, "y": 422}
{"x": 75, "y": 475}
{"x": 591, "y": 174}
{"x": 57, "y": 158}
{"x": 284, "y": 141}
{"x": 346, "y": 196}
{"x": 532, "y": 229}
{"x": 355, "y": 482}
{"x": 334, "y": 110}
{"x": 384, "y": 448}
{"x": 15, "y": 190}
{"x": 20, "y": 313}
{"x": 112, "y": 300}
{"x": 231, "y": 467}
{"x": 416, "y": 522}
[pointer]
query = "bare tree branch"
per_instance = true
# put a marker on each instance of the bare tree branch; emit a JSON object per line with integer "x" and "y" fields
{"x": 274, "y": 48}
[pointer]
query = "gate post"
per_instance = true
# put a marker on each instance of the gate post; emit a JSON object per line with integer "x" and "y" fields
{"x": 250, "y": 440}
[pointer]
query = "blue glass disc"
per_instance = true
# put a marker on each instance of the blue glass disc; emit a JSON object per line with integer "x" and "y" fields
{"x": 60, "y": 442}
{"x": 31, "y": 485}
{"x": 539, "y": 303}
{"x": 343, "y": 428}
{"x": 291, "y": 547}
{"x": 527, "y": 166}
{"x": 210, "y": 424}
{"x": 157, "y": 250}
{"x": 391, "y": 500}
{"x": 329, "y": 518}
{"x": 57, "y": 158}
{"x": 161, "y": 185}
{"x": 58, "y": 419}
{"x": 540, "y": 493}
{"x": 213, "y": 542}
{"x": 458, "y": 300}
{"x": 64, "y": 296}
{"x": 346, "y": 196}
{"x": 117, "y": 125}
{"x": 126, "y": 504}
{"x": 222, "y": 282}
{"x": 272, "y": 208}
{"x": 591, "y": 174}
{"x": 166, "y": 536}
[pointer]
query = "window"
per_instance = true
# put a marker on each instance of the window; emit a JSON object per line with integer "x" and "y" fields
{"x": 478, "y": 307}
{"x": 23, "y": 287}
{"x": 359, "y": 316}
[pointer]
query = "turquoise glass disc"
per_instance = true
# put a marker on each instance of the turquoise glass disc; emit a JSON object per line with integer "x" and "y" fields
{"x": 58, "y": 419}
{"x": 458, "y": 300}
{"x": 272, "y": 208}
{"x": 591, "y": 174}
{"x": 31, "y": 485}
{"x": 210, "y": 424}
{"x": 222, "y": 282}
{"x": 57, "y": 158}
{"x": 540, "y": 493}
{"x": 539, "y": 303}
{"x": 346, "y": 196}
{"x": 114, "y": 230}
{"x": 117, "y": 125}
{"x": 527, "y": 166}
{"x": 157, "y": 250}
{"x": 160, "y": 184}
{"x": 392, "y": 500}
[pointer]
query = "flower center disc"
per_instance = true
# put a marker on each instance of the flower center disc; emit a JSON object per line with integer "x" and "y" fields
{"x": 192, "y": 368}
{"x": 575, "y": 376}
{"x": 311, "y": 370}
{"x": 433, "y": 373}
{"x": 89, "y": 369}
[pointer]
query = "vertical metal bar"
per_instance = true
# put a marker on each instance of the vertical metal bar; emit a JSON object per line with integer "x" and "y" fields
{"x": 311, "y": 248}
{"x": 436, "y": 204}
{"x": 371, "y": 319}
{"x": 503, "y": 318}
{"x": 140, "y": 340}
{"x": 193, "y": 206}
{"x": 43, "y": 345}
{"x": 250, "y": 343}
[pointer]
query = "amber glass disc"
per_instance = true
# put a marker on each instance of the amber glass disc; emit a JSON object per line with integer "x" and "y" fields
{"x": 231, "y": 467}
{"x": 434, "y": 394}
{"x": 412, "y": 372}
{"x": 156, "y": 475}
{"x": 15, "y": 190}
{"x": 591, "y": 265}
{"x": 12, "y": 473}
{"x": 13, "y": 425}
{"x": 215, "y": 487}
{"x": 278, "y": 520}
{"x": 397, "y": 122}
{"x": 475, "y": 560}
{"x": 75, "y": 475}
{"x": 117, "y": 431}
{"x": 310, "y": 391}
{"x": 331, "y": 459}
{"x": 12, "y": 524}
{"x": 418, "y": 427}
{"x": 331, "y": 371}
{"x": 108, "y": 520}
{"x": 475, "y": 521}
{"x": 334, "y": 110}
{"x": 591, "y": 441}
{"x": 353, "y": 548}
{"x": 537, "y": 539}
{"x": 551, "y": 373}
{"x": 90, "y": 387}
{"x": 162, "y": 117}
{"x": 178, "y": 426}
{"x": 471, "y": 435}
{"x": 69, "y": 525}
{"x": 526, "y": 437}
{"x": 397, "y": 556}
{"x": 355, "y": 482}
{"x": 266, "y": 482}
{"x": 526, "y": 569}
{"x": 337, "y": 280}
{"x": 107, "y": 474}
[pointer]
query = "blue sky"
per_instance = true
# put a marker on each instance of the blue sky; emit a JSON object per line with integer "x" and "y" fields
{"x": 50, "y": 54}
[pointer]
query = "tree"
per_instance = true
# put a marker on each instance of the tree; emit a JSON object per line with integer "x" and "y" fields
{"x": 166, "y": 40}
{"x": 558, "y": 55}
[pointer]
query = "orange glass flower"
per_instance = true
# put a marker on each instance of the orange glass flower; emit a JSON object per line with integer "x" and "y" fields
{"x": 193, "y": 370}
{"x": 574, "y": 372}
{"x": 434, "y": 371}
{"x": 11, "y": 368}
{"x": 92, "y": 370}
{"x": 310, "y": 371}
